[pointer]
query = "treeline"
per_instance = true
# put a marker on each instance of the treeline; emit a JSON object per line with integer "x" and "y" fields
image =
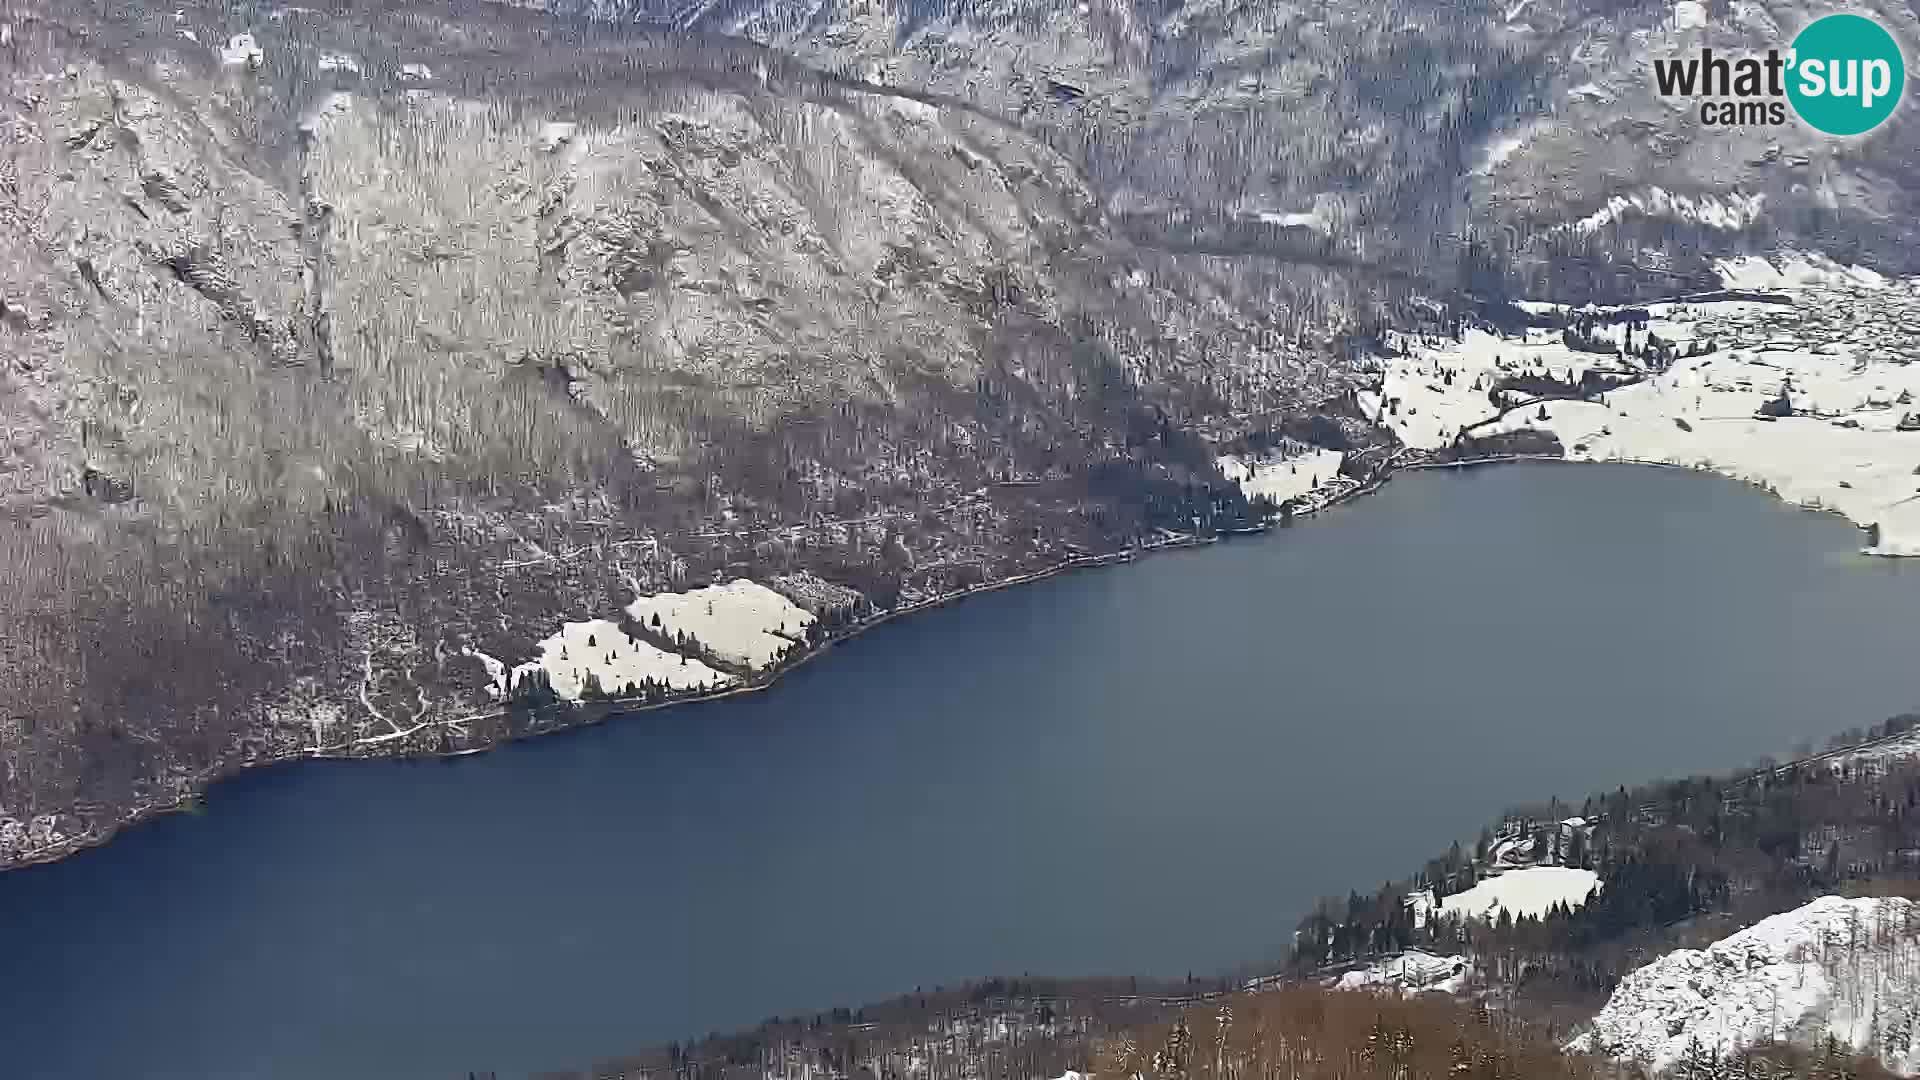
{"x": 1729, "y": 850}
{"x": 1026, "y": 1028}
{"x": 1045, "y": 1028}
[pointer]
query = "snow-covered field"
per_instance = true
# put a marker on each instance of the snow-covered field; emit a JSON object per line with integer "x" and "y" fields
{"x": 1532, "y": 891}
{"x": 1843, "y": 351}
{"x": 1279, "y": 478}
{"x": 600, "y": 649}
{"x": 1411, "y": 970}
{"x": 1846, "y": 968}
{"x": 742, "y": 622}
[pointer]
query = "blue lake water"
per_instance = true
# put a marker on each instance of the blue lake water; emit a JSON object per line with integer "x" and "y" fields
{"x": 1146, "y": 769}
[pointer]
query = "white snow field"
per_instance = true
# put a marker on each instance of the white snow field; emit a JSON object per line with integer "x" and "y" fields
{"x": 1280, "y": 478}
{"x": 742, "y": 622}
{"x": 1844, "y": 351}
{"x": 1532, "y": 891}
{"x": 1412, "y": 970}
{"x": 1845, "y": 968}
{"x": 601, "y": 649}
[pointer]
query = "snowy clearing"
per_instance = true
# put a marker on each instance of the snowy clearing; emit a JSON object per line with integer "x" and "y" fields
{"x": 1412, "y": 970}
{"x": 601, "y": 650}
{"x": 1846, "y": 968}
{"x": 741, "y": 622}
{"x": 1533, "y": 891}
{"x": 1281, "y": 479}
{"x": 1312, "y": 219}
{"x": 1843, "y": 352}
{"x": 242, "y": 51}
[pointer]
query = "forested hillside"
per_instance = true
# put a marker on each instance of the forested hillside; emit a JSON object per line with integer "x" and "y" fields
{"x": 350, "y": 351}
{"x": 1679, "y": 863}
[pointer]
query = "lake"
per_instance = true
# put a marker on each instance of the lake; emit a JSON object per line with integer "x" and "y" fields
{"x": 1149, "y": 769}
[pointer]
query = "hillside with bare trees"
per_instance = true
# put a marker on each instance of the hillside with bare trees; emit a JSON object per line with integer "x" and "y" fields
{"x": 348, "y": 352}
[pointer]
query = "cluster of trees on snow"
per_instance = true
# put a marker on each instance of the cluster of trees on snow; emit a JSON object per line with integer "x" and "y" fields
{"x": 1733, "y": 849}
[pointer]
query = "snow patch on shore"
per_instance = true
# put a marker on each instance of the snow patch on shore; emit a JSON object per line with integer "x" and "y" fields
{"x": 599, "y": 649}
{"x": 1533, "y": 891}
{"x": 1281, "y": 479}
{"x": 741, "y": 622}
{"x": 1842, "y": 968}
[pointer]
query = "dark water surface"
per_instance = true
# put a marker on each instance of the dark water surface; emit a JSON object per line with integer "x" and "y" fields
{"x": 992, "y": 788}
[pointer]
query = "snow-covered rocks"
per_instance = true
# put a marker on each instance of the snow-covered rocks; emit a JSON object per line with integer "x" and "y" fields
{"x": 741, "y": 622}
{"x": 1845, "y": 968}
{"x": 1520, "y": 893}
{"x": 1729, "y": 213}
{"x": 598, "y": 652}
{"x": 1412, "y": 971}
{"x": 1795, "y": 272}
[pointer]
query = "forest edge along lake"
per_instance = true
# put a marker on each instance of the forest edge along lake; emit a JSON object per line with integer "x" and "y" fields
{"x": 1155, "y": 771}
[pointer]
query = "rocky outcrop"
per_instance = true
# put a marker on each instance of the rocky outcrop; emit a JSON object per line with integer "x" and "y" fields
{"x": 1408, "y": 138}
{"x": 1838, "y": 968}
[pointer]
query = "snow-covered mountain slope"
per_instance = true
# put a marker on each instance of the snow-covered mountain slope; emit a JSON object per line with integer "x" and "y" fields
{"x": 1394, "y": 129}
{"x": 1839, "y": 967}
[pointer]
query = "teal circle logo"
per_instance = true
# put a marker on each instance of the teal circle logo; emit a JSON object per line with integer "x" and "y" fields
{"x": 1848, "y": 74}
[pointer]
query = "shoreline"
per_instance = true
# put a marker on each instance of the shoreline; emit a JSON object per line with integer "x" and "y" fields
{"x": 1508, "y": 459}
{"x": 590, "y": 714}
{"x": 579, "y": 715}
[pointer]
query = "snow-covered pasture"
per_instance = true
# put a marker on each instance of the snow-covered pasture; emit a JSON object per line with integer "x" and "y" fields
{"x": 742, "y": 622}
{"x": 1282, "y": 478}
{"x": 1521, "y": 893}
{"x": 1851, "y": 446}
{"x": 598, "y": 649}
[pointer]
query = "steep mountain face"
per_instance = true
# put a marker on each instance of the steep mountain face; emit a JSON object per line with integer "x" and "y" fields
{"x": 343, "y": 346}
{"x": 1837, "y": 968}
{"x": 1441, "y": 138}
